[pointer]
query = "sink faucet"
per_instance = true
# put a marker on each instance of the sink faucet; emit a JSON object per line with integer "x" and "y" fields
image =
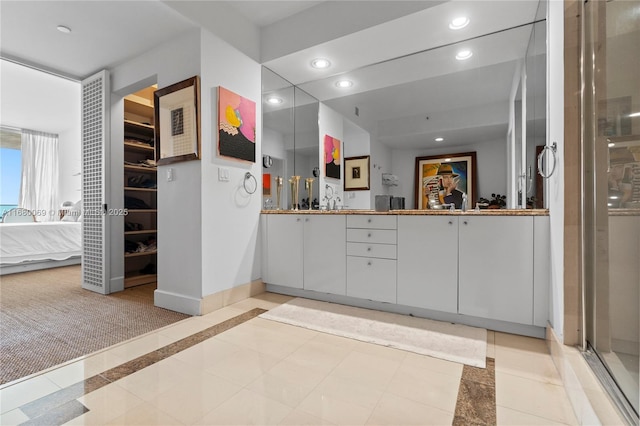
{"x": 464, "y": 202}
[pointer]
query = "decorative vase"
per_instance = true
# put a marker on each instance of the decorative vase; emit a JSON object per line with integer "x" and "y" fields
{"x": 295, "y": 186}
{"x": 308, "y": 184}
{"x": 278, "y": 191}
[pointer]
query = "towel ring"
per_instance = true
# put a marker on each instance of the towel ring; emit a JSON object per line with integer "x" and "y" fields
{"x": 249, "y": 177}
{"x": 552, "y": 149}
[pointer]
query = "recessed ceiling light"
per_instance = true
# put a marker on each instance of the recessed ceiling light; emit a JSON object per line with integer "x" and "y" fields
{"x": 343, "y": 84}
{"x": 611, "y": 144}
{"x": 320, "y": 63}
{"x": 439, "y": 139}
{"x": 274, "y": 100}
{"x": 64, "y": 29}
{"x": 463, "y": 54}
{"x": 459, "y": 23}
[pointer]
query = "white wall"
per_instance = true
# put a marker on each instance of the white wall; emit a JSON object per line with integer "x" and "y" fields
{"x": 555, "y": 185}
{"x": 230, "y": 216}
{"x": 491, "y": 177}
{"x": 330, "y": 123}
{"x": 380, "y": 163}
{"x": 69, "y": 153}
{"x": 179, "y": 202}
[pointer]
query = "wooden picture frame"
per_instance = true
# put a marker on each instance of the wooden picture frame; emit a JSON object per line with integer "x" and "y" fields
{"x": 443, "y": 179}
{"x": 357, "y": 173}
{"x": 177, "y": 121}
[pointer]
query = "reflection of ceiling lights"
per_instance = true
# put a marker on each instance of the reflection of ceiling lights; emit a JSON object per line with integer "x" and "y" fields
{"x": 459, "y": 23}
{"x": 274, "y": 100}
{"x": 64, "y": 29}
{"x": 439, "y": 139}
{"x": 320, "y": 63}
{"x": 464, "y": 54}
{"x": 611, "y": 144}
{"x": 634, "y": 114}
{"x": 343, "y": 84}
{"x": 446, "y": 160}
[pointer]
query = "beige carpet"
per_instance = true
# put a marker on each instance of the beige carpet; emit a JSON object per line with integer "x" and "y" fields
{"x": 452, "y": 342}
{"x": 46, "y": 318}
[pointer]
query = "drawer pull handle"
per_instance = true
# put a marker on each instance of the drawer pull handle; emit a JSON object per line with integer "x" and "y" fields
{"x": 369, "y": 235}
{"x": 306, "y": 220}
{"x": 369, "y": 220}
{"x": 450, "y": 222}
{"x": 369, "y": 263}
{"x": 368, "y": 248}
{"x": 465, "y": 222}
{"x": 298, "y": 220}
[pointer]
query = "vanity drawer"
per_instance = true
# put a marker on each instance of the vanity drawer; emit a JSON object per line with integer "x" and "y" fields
{"x": 379, "y": 236}
{"x": 372, "y": 221}
{"x": 371, "y": 279}
{"x": 383, "y": 251}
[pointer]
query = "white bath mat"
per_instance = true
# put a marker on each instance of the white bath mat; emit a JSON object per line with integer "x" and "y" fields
{"x": 453, "y": 342}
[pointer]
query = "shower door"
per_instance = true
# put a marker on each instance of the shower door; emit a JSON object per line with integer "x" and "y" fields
{"x": 611, "y": 166}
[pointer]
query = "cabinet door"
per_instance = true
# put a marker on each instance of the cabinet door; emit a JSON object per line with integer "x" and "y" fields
{"x": 496, "y": 268}
{"x": 428, "y": 262}
{"x": 284, "y": 250}
{"x": 371, "y": 278}
{"x": 325, "y": 267}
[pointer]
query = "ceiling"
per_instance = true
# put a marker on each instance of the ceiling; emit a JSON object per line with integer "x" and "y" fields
{"x": 394, "y": 97}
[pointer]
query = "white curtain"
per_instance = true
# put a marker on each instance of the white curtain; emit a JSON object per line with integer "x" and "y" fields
{"x": 39, "y": 183}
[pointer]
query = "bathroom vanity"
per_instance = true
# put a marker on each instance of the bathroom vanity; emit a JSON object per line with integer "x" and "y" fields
{"x": 487, "y": 268}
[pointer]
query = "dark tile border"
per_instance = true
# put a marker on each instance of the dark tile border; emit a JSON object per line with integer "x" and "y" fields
{"x": 61, "y": 406}
{"x": 476, "y": 404}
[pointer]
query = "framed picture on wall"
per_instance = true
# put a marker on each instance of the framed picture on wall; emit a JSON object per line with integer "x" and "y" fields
{"x": 332, "y": 149}
{"x": 236, "y": 126}
{"x": 356, "y": 173}
{"x": 177, "y": 121}
{"x": 445, "y": 180}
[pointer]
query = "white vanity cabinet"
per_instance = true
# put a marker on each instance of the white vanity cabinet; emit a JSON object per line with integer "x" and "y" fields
{"x": 496, "y": 267}
{"x": 371, "y": 257}
{"x": 428, "y": 262}
{"x": 306, "y": 251}
{"x": 284, "y": 256}
{"x": 325, "y": 253}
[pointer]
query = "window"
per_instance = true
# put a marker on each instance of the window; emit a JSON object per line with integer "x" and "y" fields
{"x": 10, "y": 170}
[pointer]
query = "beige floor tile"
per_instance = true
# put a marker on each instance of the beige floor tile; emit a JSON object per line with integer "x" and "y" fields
{"x": 83, "y": 369}
{"x": 13, "y": 417}
{"x": 418, "y": 363}
{"x": 350, "y": 392}
{"x": 530, "y": 365}
{"x": 208, "y": 353}
{"x": 281, "y": 390}
{"x": 157, "y": 378}
{"x": 509, "y": 417}
{"x": 247, "y": 408}
{"x": 300, "y": 333}
{"x": 222, "y": 314}
{"x": 244, "y": 367}
{"x": 263, "y": 340}
{"x": 533, "y": 397}
{"x": 394, "y": 410}
{"x": 379, "y": 350}
{"x": 317, "y": 356}
{"x": 193, "y": 399}
{"x": 260, "y": 301}
{"x": 491, "y": 344}
{"x": 185, "y": 328}
{"x": 14, "y": 396}
{"x": 302, "y": 418}
{"x": 520, "y": 343}
{"x": 335, "y": 410}
{"x": 107, "y": 403}
{"x": 426, "y": 387}
{"x": 144, "y": 415}
{"x": 365, "y": 369}
{"x": 140, "y": 346}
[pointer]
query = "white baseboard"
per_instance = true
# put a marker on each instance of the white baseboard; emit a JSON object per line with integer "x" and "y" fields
{"x": 219, "y": 300}
{"x": 177, "y": 302}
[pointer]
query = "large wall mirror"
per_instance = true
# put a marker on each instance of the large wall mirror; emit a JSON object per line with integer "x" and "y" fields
{"x": 435, "y": 101}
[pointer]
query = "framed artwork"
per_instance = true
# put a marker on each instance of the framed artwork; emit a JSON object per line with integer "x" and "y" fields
{"x": 356, "y": 173}
{"x": 445, "y": 179}
{"x": 266, "y": 184}
{"x": 236, "y": 126}
{"x": 177, "y": 121}
{"x": 331, "y": 157}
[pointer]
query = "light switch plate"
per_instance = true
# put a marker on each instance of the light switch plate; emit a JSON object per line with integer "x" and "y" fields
{"x": 223, "y": 174}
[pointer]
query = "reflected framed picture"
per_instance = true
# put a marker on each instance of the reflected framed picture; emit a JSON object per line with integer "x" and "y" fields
{"x": 177, "y": 121}
{"x": 356, "y": 173}
{"x": 332, "y": 148}
{"x": 442, "y": 180}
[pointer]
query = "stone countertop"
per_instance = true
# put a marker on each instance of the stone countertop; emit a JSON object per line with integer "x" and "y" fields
{"x": 624, "y": 212}
{"x": 482, "y": 212}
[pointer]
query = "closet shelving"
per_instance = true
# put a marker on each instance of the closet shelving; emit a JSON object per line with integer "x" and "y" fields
{"x": 140, "y": 190}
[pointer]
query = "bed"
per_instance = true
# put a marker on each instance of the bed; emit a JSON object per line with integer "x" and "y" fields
{"x": 39, "y": 245}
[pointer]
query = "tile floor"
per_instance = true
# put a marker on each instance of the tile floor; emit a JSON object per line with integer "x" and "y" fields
{"x": 263, "y": 372}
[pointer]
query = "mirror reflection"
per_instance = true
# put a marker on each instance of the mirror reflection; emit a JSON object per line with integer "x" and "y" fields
{"x": 492, "y": 102}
